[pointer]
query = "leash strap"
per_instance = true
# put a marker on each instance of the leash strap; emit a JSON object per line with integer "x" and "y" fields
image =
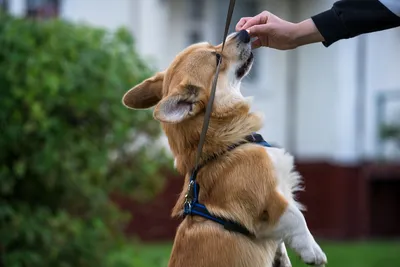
{"x": 191, "y": 205}
{"x": 210, "y": 103}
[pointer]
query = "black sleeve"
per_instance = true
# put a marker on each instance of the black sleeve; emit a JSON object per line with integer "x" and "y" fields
{"x": 349, "y": 18}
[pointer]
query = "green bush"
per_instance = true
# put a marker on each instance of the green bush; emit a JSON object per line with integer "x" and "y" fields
{"x": 67, "y": 143}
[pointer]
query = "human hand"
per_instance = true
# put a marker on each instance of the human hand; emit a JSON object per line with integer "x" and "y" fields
{"x": 272, "y": 31}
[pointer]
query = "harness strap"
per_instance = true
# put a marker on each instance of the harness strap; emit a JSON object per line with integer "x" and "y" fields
{"x": 253, "y": 138}
{"x": 201, "y": 210}
{"x": 193, "y": 208}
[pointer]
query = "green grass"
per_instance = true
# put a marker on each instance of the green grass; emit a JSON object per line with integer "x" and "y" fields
{"x": 366, "y": 254}
{"x": 340, "y": 254}
{"x": 141, "y": 255}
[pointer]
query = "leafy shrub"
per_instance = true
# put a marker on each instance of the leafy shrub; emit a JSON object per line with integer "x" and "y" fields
{"x": 66, "y": 142}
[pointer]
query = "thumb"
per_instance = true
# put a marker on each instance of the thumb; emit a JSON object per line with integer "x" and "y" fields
{"x": 256, "y": 44}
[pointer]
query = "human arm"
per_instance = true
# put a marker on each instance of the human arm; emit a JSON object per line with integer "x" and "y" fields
{"x": 350, "y": 18}
{"x": 272, "y": 31}
{"x": 346, "y": 19}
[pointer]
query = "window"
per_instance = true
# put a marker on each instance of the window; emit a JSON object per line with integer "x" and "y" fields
{"x": 388, "y": 123}
{"x": 42, "y": 8}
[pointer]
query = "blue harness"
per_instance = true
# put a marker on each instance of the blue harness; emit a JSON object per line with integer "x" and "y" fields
{"x": 192, "y": 207}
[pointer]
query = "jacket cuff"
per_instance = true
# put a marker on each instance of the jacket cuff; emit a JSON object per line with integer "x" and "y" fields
{"x": 330, "y": 27}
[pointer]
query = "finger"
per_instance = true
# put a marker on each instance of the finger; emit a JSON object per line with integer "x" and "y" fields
{"x": 256, "y": 44}
{"x": 261, "y": 18}
{"x": 241, "y": 22}
{"x": 257, "y": 30}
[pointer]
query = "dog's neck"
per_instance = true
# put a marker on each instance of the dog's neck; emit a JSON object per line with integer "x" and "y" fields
{"x": 223, "y": 131}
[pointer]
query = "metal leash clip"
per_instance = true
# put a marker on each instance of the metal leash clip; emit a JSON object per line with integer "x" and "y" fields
{"x": 189, "y": 197}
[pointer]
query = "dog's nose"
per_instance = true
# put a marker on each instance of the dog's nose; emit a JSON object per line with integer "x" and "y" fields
{"x": 243, "y": 36}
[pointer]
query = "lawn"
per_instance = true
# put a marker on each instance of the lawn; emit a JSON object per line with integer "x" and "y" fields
{"x": 340, "y": 254}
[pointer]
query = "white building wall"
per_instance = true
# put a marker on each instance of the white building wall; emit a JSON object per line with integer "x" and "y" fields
{"x": 326, "y": 80}
{"x": 152, "y": 30}
{"x": 318, "y": 92}
{"x": 269, "y": 89}
{"x": 343, "y": 102}
{"x": 103, "y": 13}
{"x": 338, "y": 87}
{"x": 147, "y": 20}
{"x": 383, "y": 74}
{"x": 176, "y": 40}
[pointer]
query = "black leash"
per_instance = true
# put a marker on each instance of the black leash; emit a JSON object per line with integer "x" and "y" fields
{"x": 191, "y": 205}
{"x": 210, "y": 103}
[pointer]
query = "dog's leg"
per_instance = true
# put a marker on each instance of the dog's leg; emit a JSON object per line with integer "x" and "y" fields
{"x": 292, "y": 228}
{"x": 281, "y": 257}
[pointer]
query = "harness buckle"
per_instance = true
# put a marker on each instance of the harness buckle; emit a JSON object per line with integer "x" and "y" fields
{"x": 187, "y": 208}
{"x": 189, "y": 197}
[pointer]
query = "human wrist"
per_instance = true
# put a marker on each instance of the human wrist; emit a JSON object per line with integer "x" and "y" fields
{"x": 306, "y": 32}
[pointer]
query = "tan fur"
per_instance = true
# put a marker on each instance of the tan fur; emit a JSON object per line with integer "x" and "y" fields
{"x": 239, "y": 185}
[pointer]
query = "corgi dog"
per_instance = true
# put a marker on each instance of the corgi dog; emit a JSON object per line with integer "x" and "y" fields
{"x": 249, "y": 184}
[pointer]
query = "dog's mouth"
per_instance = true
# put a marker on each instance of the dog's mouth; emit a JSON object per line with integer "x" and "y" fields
{"x": 243, "y": 69}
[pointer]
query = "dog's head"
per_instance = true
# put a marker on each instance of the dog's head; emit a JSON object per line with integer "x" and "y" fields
{"x": 182, "y": 91}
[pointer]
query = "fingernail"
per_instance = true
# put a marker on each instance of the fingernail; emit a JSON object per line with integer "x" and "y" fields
{"x": 247, "y": 30}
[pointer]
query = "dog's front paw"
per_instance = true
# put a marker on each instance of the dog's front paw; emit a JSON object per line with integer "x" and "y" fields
{"x": 314, "y": 256}
{"x": 309, "y": 251}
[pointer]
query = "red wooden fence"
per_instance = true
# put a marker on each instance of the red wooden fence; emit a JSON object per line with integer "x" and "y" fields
{"x": 342, "y": 203}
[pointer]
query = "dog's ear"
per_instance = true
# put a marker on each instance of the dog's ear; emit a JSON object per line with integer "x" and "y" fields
{"x": 146, "y": 94}
{"x": 178, "y": 107}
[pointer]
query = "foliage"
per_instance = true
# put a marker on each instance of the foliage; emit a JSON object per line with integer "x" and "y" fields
{"x": 67, "y": 142}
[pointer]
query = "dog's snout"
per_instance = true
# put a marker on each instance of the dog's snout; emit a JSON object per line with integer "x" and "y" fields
{"x": 243, "y": 36}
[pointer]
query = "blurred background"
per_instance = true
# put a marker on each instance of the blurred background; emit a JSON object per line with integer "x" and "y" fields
{"x": 82, "y": 180}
